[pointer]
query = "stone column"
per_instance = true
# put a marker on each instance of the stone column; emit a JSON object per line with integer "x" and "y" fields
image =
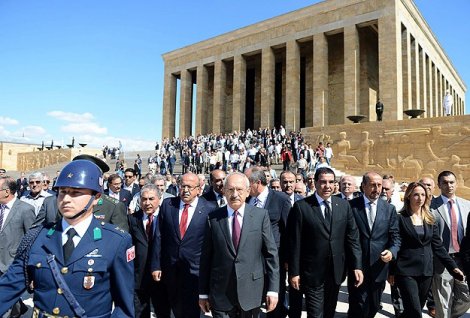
{"x": 169, "y": 106}
{"x": 292, "y": 86}
{"x": 351, "y": 72}
{"x": 436, "y": 92}
{"x": 390, "y": 83}
{"x": 424, "y": 85}
{"x": 202, "y": 125}
{"x": 239, "y": 93}
{"x": 220, "y": 81}
{"x": 406, "y": 69}
{"x": 267, "y": 87}
{"x": 320, "y": 80}
{"x": 430, "y": 77}
{"x": 185, "y": 103}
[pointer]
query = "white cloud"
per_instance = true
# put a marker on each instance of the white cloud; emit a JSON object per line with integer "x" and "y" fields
{"x": 72, "y": 117}
{"x": 34, "y": 131}
{"x": 90, "y": 128}
{"x": 27, "y": 134}
{"x": 8, "y": 121}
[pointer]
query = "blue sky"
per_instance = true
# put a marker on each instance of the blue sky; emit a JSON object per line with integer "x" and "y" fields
{"x": 93, "y": 69}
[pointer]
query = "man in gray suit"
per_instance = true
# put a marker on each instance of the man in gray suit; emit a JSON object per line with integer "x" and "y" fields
{"x": 451, "y": 296}
{"x": 16, "y": 218}
{"x": 238, "y": 251}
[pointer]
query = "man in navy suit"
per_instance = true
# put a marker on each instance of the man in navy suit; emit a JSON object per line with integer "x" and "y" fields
{"x": 142, "y": 226}
{"x": 278, "y": 206}
{"x": 177, "y": 246}
{"x": 380, "y": 242}
{"x": 116, "y": 191}
{"x": 215, "y": 194}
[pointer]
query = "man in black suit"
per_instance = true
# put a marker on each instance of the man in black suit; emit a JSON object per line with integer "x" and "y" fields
{"x": 129, "y": 182}
{"x": 215, "y": 194}
{"x": 177, "y": 248}
{"x": 278, "y": 206}
{"x": 380, "y": 242}
{"x": 116, "y": 191}
{"x": 322, "y": 233}
{"x": 288, "y": 186}
{"x": 142, "y": 226}
{"x": 238, "y": 251}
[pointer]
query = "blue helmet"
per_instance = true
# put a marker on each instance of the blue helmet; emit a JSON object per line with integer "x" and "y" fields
{"x": 81, "y": 174}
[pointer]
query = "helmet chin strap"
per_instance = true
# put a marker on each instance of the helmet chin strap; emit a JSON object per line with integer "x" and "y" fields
{"x": 84, "y": 209}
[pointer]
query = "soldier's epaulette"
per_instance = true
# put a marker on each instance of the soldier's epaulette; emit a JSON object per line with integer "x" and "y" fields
{"x": 113, "y": 228}
{"x": 112, "y": 200}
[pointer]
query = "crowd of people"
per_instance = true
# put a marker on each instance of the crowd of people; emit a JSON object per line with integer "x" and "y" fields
{"x": 92, "y": 242}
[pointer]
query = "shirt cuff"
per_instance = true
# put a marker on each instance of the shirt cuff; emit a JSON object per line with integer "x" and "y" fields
{"x": 203, "y": 296}
{"x": 273, "y": 294}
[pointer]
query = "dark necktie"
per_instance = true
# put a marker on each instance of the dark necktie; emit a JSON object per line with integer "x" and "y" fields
{"x": 235, "y": 230}
{"x": 69, "y": 246}
{"x": 454, "y": 226}
{"x": 184, "y": 220}
{"x": 221, "y": 201}
{"x": 327, "y": 213}
{"x": 2, "y": 214}
{"x": 148, "y": 227}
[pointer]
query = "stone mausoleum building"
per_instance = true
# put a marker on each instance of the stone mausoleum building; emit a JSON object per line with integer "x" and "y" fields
{"x": 312, "y": 67}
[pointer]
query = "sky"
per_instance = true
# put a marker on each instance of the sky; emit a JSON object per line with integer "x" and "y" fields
{"x": 92, "y": 70}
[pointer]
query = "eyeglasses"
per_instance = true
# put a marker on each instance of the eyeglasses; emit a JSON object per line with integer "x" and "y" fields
{"x": 128, "y": 177}
{"x": 34, "y": 182}
{"x": 184, "y": 187}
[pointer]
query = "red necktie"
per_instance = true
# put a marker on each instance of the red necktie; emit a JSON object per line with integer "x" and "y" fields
{"x": 235, "y": 230}
{"x": 454, "y": 226}
{"x": 148, "y": 227}
{"x": 184, "y": 220}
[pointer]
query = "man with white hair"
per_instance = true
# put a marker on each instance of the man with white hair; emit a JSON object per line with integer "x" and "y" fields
{"x": 36, "y": 194}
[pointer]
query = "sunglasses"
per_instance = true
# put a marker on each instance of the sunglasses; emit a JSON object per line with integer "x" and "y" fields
{"x": 34, "y": 182}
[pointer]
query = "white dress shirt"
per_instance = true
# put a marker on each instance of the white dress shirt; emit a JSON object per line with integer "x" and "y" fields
{"x": 81, "y": 229}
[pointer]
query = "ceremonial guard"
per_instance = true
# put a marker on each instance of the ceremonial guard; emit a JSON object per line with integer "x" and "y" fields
{"x": 79, "y": 266}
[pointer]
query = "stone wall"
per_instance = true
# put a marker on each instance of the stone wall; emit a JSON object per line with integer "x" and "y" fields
{"x": 9, "y": 153}
{"x": 407, "y": 149}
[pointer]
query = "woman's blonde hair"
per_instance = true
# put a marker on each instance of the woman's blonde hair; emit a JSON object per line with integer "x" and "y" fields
{"x": 425, "y": 212}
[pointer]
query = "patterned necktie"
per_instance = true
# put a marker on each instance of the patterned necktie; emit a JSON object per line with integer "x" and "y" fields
{"x": 69, "y": 246}
{"x": 2, "y": 213}
{"x": 371, "y": 217}
{"x": 454, "y": 226}
{"x": 256, "y": 202}
{"x": 148, "y": 227}
{"x": 235, "y": 230}
{"x": 184, "y": 220}
{"x": 221, "y": 201}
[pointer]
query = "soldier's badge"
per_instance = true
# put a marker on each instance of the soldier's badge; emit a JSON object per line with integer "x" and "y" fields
{"x": 130, "y": 254}
{"x": 99, "y": 216}
{"x": 88, "y": 282}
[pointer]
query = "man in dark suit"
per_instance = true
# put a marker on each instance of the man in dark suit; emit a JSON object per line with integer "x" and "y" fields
{"x": 16, "y": 218}
{"x": 322, "y": 233}
{"x": 115, "y": 190}
{"x": 22, "y": 185}
{"x": 288, "y": 186}
{"x": 129, "y": 182}
{"x": 238, "y": 249}
{"x": 278, "y": 206}
{"x": 142, "y": 226}
{"x": 288, "y": 182}
{"x": 177, "y": 247}
{"x": 380, "y": 243}
{"x": 451, "y": 297}
{"x": 215, "y": 194}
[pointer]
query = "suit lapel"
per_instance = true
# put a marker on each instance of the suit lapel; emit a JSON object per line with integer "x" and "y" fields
{"x": 379, "y": 214}
{"x": 224, "y": 227}
{"x": 362, "y": 213}
{"x": 410, "y": 227}
{"x": 197, "y": 214}
{"x": 53, "y": 244}
{"x": 175, "y": 217}
{"x": 140, "y": 227}
{"x": 247, "y": 223}
{"x": 11, "y": 213}
{"x": 317, "y": 212}
{"x": 441, "y": 209}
